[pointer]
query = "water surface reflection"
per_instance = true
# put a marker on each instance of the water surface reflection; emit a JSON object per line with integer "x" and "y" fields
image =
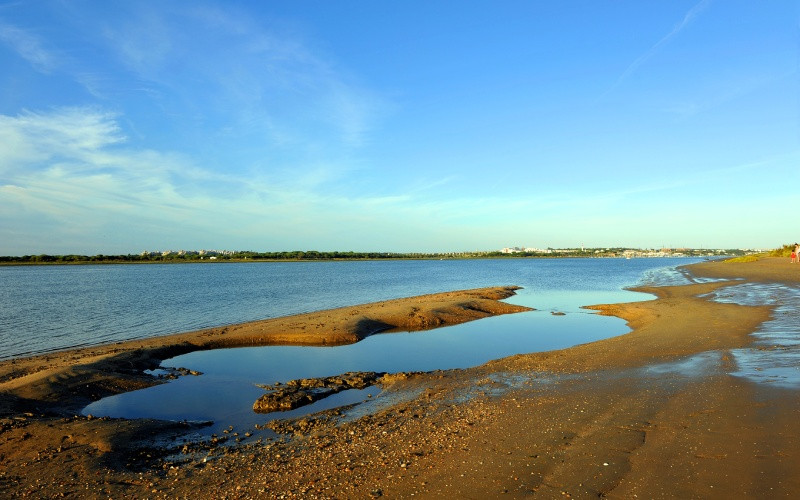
{"x": 225, "y": 392}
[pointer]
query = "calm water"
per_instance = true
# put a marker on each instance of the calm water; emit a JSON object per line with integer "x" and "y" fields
{"x": 47, "y": 308}
{"x": 226, "y": 391}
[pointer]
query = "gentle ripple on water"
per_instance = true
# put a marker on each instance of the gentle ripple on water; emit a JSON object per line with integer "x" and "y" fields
{"x": 664, "y": 276}
{"x": 775, "y": 355}
{"x": 672, "y": 276}
{"x": 47, "y": 308}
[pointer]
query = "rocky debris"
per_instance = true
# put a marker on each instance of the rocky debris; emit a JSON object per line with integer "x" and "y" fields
{"x": 317, "y": 422}
{"x": 301, "y": 392}
{"x": 316, "y": 456}
{"x": 391, "y": 378}
{"x": 173, "y": 373}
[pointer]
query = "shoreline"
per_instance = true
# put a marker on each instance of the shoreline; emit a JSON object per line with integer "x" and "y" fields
{"x": 72, "y": 378}
{"x": 70, "y": 321}
{"x": 338, "y": 259}
{"x": 618, "y": 417}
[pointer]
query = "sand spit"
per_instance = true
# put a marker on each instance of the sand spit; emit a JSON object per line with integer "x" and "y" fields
{"x": 69, "y": 380}
{"x": 653, "y": 413}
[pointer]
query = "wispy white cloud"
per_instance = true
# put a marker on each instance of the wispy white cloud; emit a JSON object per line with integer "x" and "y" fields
{"x": 70, "y": 178}
{"x": 277, "y": 86}
{"x": 30, "y": 47}
{"x": 71, "y": 170}
{"x": 77, "y": 156}
{"x": 285, "y": 116}
{"x": 690, "y": 16}
{"x": 30, "y": 141}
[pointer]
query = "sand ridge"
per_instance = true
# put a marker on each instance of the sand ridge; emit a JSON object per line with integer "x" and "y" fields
{"x": 71, "y": 379}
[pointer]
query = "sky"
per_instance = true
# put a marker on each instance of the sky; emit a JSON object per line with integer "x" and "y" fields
{"x": 414, "y": 126}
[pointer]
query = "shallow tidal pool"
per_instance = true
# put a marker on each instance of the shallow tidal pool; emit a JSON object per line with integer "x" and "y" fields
{"x": 226, "y": 390}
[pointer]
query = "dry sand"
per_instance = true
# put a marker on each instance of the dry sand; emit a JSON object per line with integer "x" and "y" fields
{"x": 653, "y": 413}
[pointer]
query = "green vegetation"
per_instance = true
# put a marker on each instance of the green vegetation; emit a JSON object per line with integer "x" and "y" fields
{"x": 784, "y": 251}
{"x": 177, "y": 257}
{"x": 744, "y": 258}
{"x": 313, "y": 255}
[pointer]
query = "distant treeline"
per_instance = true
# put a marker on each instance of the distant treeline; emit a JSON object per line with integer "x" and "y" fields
{"x": 227, "y": 256}
{"x": 310, "y": 255}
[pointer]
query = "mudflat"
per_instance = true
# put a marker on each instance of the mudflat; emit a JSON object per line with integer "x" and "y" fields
{"x": 653, "y": 413}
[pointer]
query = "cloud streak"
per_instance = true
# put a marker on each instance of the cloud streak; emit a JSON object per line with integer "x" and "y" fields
{"x": 29, "y": 47}
{"x": 74, "y": 172}
{"x": 71, "y": 169}
{"x": 275, "y": 87}
{"x": 690, "y": 16}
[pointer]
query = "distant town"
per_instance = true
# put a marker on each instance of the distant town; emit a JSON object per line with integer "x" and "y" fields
{"x": 628, "y": 252}
{"x": 149, "y": 256}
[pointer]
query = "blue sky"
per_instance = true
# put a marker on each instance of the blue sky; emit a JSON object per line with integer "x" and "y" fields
{"x": 397, "y": 126}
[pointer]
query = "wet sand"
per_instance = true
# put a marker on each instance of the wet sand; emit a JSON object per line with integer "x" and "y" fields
{"x": 653, "y": 413}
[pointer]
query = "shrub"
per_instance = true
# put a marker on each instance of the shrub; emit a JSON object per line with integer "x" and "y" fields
{"x": 744, "y": 258}
{"x": 784, "y": 251}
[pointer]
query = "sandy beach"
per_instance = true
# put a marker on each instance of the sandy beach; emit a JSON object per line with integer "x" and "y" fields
{"x": 654, "y": 413}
